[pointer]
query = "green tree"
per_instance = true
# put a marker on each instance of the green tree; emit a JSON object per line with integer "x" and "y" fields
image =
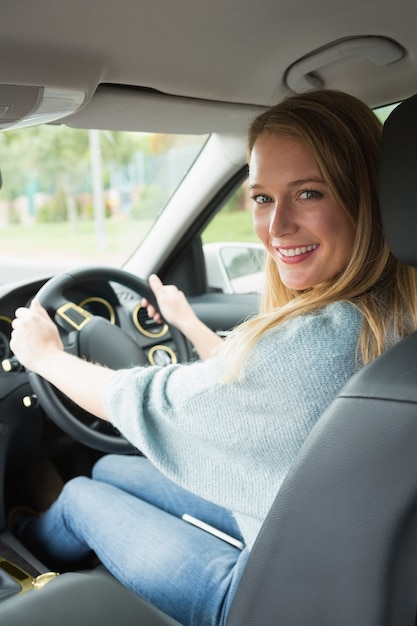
{"x": 65, "y": 159}
{"x": 17, "y": 161}
{"x": 56, "y": 159}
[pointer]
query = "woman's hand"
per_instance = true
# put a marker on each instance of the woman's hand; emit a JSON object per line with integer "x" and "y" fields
{"x": 175, "y": 309}
{"x": 37, "y": 344}
{"x": 173, "y": 305}
{"x": 34, "y": 336}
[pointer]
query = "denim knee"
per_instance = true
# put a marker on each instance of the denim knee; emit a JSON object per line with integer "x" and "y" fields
{"x": 100, "y": 467}
{"x": 104, "y": 468}
{"x": 75, "y": 490}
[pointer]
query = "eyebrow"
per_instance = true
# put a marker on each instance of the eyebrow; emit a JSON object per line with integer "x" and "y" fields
{"x": 294, "y": 183}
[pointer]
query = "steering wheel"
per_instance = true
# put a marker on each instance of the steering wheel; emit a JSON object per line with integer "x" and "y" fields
{"x": 95, "y": 339}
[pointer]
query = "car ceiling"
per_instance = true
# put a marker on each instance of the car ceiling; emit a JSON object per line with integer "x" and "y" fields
{"x": 198, "y": 66}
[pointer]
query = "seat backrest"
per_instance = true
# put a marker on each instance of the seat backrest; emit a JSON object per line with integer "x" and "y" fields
{"x": 339, "y": 546}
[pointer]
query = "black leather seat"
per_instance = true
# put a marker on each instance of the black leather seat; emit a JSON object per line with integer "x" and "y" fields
{"x": 339, "y": 546}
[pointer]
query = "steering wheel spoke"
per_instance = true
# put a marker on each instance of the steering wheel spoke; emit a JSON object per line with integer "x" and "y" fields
{"x": 70, "y": 316}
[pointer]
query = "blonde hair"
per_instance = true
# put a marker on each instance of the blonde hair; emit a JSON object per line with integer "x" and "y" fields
{"x": 344, "y": 137}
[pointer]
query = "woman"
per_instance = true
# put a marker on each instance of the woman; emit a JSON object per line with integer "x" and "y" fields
{"x": 221, "y": 434}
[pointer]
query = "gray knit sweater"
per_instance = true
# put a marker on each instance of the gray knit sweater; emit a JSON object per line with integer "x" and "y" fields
{"x": 234, "y": 443}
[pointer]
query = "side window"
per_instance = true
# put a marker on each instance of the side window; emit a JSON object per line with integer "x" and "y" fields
{"x": 234, "y": 257}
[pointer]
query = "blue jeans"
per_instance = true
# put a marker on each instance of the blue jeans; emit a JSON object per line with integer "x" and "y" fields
{"x": 129, "y": 515}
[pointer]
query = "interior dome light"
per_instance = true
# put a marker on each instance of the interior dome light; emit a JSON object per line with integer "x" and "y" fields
{"x": 27, "y": 105}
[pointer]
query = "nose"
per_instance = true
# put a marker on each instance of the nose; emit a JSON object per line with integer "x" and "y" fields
{"x": 282, "y": 220}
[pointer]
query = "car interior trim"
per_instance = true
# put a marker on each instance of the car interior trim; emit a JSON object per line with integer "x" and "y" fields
{"x": 74, "y": 315}
{"x": 154, "y": 334}
{"x": 161, "y": 348}
{"x": 93, "y": 299}
{"x": 17, "y": 574}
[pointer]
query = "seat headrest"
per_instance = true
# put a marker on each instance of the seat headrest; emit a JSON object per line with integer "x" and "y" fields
{"x": 398, "y": 181}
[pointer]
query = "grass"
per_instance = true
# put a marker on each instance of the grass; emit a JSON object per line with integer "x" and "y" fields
{"x": 231, "y": 226}
{"x": 39, "y": 241}
{"x": 121, "y": 237}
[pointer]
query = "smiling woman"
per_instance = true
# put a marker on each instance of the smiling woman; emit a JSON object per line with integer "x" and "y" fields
{"x": 295, "y": 215}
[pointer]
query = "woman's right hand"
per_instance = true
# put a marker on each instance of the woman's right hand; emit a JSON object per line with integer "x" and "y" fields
{"x": 172, "y": 303}
{"x": 175, "y": 309}
{"x": 34, "y": 336}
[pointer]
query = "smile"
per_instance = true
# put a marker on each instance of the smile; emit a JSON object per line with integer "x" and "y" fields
{"x": 292, "y": 252}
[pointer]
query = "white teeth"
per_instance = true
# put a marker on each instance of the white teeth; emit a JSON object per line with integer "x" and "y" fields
{"x": 297, "y": 251}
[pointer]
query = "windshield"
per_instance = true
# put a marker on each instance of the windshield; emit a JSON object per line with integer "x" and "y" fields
{"x": 75, "y": 197}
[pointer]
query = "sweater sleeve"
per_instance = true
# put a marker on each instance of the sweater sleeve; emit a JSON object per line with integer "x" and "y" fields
{"x": 233, "y": 443}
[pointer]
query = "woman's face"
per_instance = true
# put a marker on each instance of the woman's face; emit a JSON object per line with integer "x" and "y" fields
{"x": 295, "y": 216}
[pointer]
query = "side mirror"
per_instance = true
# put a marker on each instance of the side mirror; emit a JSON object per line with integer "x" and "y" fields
{"x": 235, "y": 267}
